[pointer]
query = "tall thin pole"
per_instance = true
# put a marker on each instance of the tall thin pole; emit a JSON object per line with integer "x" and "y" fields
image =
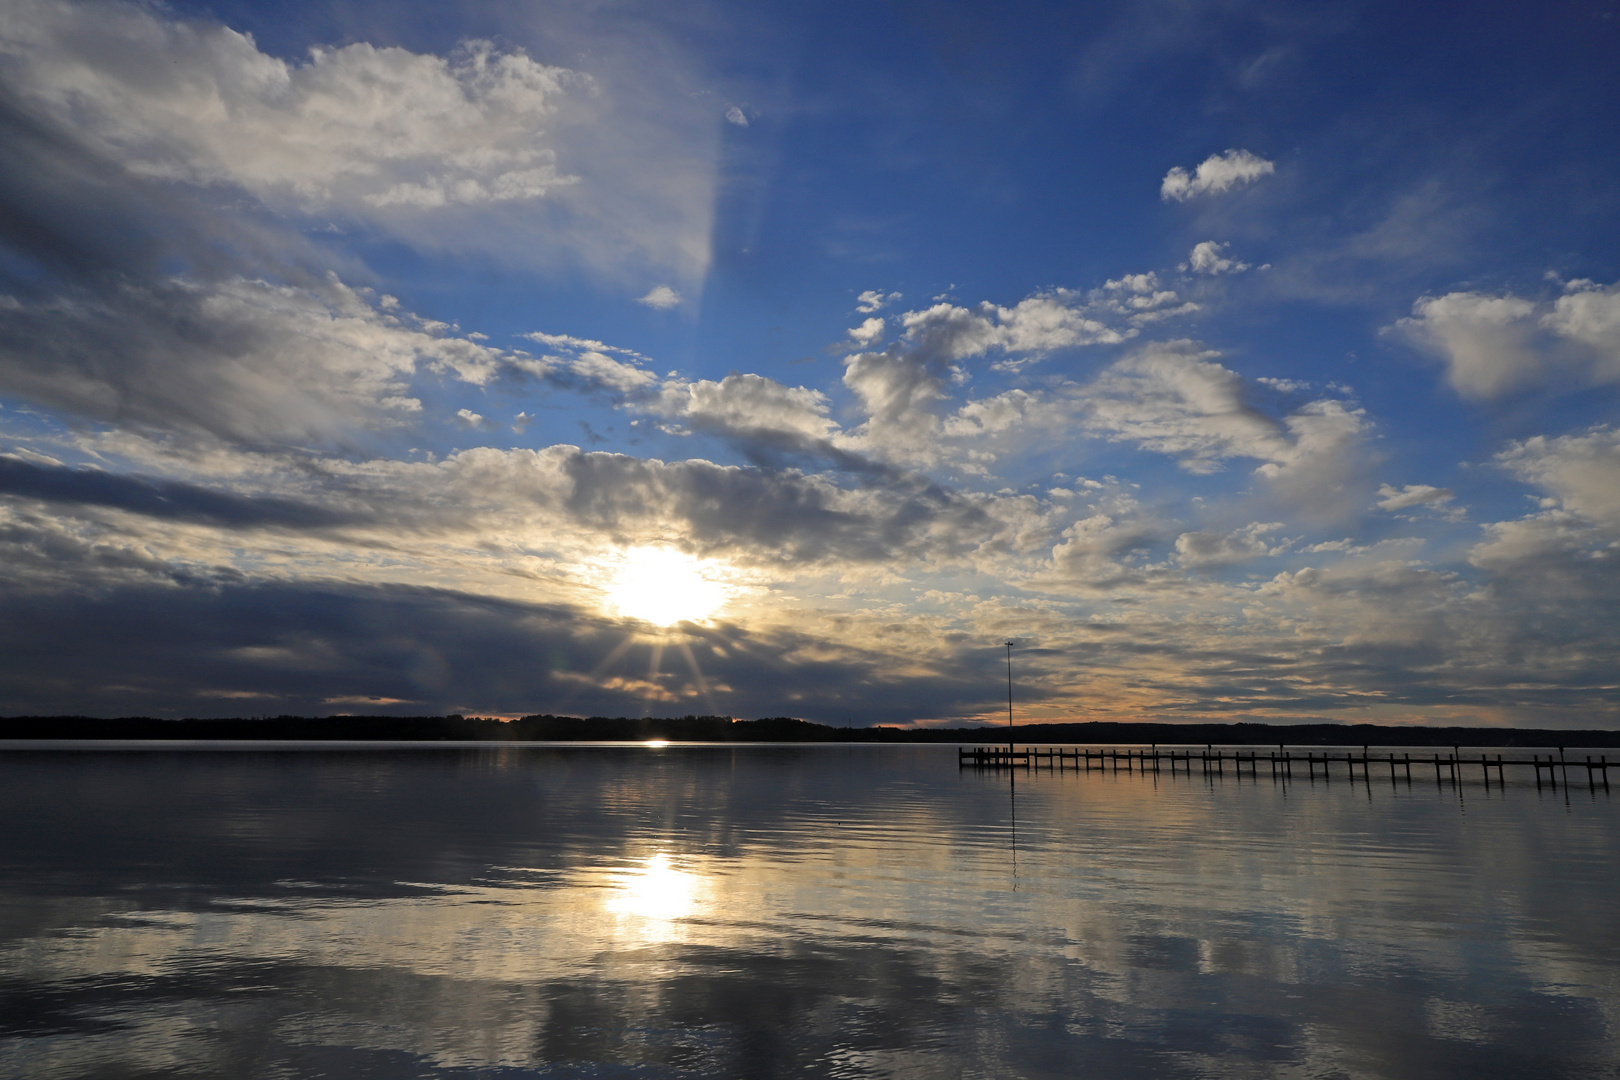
{"x": 1009, "y": 697}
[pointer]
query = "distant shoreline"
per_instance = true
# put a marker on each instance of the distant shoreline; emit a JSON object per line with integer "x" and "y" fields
{"x": 701, "y": 729}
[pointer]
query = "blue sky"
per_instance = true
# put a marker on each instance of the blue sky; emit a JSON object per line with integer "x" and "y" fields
{"x": 1238, "y": 361}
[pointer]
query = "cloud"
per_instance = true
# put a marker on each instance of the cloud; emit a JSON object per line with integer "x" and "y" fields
{"x": 868, "y": 332}
{"x": 1589, "y": 314}
{"x": 874, "y": 300}
{"x": 1580, "y": 473}
{"x": 1206, "y": 550}
{"x": 1141, "y": 299}
{"x": 899, "y": 392}
{"x": 298, "y": 647}
{"x": 244, "y": 360}
{"x": 662, "y": 298}
{"x": 1392, "y": 499}
{"x": 735, "y": 115}
{"x": 748, "y": 405}
{"x": 356, "y": 126}
{"x": 1108, "y": 551}
{"x": 1175, "y": 398}
{"x": 484, "y": 148}
{"x": 1492, "y": 345}
{"x": 164, "y": 499}
{"x": 479, "y": 516}
{"x": 1206, "y": 258}
{"x": 1216, "y": 174}
{"x": 1038, "y": 323}
{"x": 597, "y": 368}
{"x": 1486, "y": 341}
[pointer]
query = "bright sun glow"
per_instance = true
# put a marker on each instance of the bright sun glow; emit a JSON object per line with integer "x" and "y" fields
{"x": 663, "y": 587}
{"x": 657, "y": 891}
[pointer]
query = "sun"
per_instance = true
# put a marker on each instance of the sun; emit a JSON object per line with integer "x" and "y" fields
{"x": 663, "y": 587}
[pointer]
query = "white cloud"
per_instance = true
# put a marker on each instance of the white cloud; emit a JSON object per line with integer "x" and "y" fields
{"x": 1590, "y": 314}
{"x": 1580, "y": 472}
{"x": 1326, "y": 438}
{"x": 899, "y": 393}
{"x": 356, "y": 125}
{"x": 1486, "y": 341}
{"x": 1140, "y": 298}
{"x": 1206, "y": 258}
{"x": 735, "y": 115}
{"x": 1036, "y": 324}
{"x": 568, "y": 341}
{"x": 1492, "y": 345}
{"x": 1003, "y": 412}
{"x": 468, "y": 418}
{"x": 749, "y": 405}
{"x": 662, "y": 297}
{"x": 868, "y": 332}
{"x": 1392, "y": 499}
{"x": 611, "y": 373}
{"x": 1173, "y": 398}
{"x": 874, "y": 300}
{"x": 1217, "y": 173}
{"x": 1531, "y": 546}
{"x": 449, "y": 152}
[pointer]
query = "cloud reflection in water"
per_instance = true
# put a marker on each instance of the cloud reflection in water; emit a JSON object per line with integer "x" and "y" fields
{"x": 788, "y": 912}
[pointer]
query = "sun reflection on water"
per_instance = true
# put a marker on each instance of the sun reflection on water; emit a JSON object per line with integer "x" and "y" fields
{"x": 655, "y": 891}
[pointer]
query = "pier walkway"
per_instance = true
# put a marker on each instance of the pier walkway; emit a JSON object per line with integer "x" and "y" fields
{"x": 1281, "y": 764}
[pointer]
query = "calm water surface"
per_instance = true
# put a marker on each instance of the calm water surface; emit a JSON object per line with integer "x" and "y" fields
{"x": 790, "y": 911}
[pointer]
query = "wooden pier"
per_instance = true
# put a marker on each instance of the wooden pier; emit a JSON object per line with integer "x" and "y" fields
{"x": 1280, "y": 764}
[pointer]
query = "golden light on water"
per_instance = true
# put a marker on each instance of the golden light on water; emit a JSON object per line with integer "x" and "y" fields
{"x": 656, "y": 891}
{"x": 664, "y": 587}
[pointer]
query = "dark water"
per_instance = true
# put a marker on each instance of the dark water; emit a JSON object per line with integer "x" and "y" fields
{"x": 790, "y": 911}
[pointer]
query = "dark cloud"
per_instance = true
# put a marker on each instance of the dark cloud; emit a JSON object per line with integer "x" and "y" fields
{"x": 798, "y": 517}
{"x": 234, "y": 648}
{"x": 161, "y": 499}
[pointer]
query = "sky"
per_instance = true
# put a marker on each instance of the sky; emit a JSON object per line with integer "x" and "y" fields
{"x": 1234, "y": 361}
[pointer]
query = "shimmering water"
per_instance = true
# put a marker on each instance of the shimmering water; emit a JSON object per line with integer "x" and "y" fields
{"x": 790, "y": 911}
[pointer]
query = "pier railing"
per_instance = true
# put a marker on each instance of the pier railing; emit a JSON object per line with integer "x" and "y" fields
{"x": 1281, "y": 764}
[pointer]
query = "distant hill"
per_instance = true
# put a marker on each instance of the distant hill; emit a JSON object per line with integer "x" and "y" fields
{"x": 547, "y": 728}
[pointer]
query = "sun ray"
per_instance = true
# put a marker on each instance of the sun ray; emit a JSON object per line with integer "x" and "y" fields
{"x": 656, "y": 660}
{"x": 697, "y": 675}
{"x": 595, "y": 673}
{"x": 618, "y": 650}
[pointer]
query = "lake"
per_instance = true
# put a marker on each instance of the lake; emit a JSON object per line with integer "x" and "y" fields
{"x": 763, "y": 911}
